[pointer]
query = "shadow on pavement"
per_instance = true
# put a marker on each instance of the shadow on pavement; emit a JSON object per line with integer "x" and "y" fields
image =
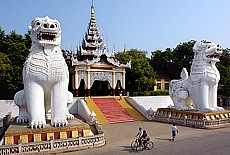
{"x": 128, "y": 149}
{"x": 168, "y": 139}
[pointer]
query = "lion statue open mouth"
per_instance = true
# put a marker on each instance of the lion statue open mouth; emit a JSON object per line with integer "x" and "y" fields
{"x": 200, "y": 88}
{"x": 45, "y": 31}
{"x": 45, "y": 77}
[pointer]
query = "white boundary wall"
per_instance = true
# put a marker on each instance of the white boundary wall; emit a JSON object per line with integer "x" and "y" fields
{"x": 144, "y": 103}
{"x": 79, "y": 107}
{"x": 7, "y": 106}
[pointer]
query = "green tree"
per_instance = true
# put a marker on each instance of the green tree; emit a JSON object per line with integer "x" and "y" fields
{"x": 182, "y": 57}
{"x": 225, "y": 57}
{"x": 141, "y": 76}
{"x": 4, "y": 65}
{"x": 224, "y": 69}
{"x": 3, "y": 61}
{"x": 162, "y": 61}
{"x": 4, "y": 70}
{"x": 224, "y": 84}
{"x": 16, "y": 48}
{"x": 171, "y": 61}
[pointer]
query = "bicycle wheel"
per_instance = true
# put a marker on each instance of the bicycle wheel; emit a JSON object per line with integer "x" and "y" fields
{"x": 149, "y": 145}
{"x": 134, "y": 145}
{"x": 139, "y": 148}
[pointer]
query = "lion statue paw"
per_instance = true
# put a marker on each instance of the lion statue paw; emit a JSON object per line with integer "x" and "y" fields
{"x": 37, "y": 124}
{"x": 59, "y": 123}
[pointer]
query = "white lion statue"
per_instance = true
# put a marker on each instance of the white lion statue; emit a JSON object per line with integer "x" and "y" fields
{"x": 200, "y": 88}
{"x": 45, "y": 77}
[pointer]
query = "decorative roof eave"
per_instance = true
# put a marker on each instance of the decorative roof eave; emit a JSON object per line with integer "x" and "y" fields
{"x": 87, "y": 62}
{"x": 84, "y": 52}
{"x": 75, "y": 62}
{"x": 111, "y": 60}
{"x": 108, "y": 54}
{"x": 97, "y": 53}
{"x": 127, "y": 65}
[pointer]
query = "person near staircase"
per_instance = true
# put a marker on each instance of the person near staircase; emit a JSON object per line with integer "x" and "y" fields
{"x": 120, "y": 95}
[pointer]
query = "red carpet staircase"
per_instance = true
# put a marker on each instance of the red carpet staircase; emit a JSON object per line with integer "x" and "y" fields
{"x": 112, "y": 110}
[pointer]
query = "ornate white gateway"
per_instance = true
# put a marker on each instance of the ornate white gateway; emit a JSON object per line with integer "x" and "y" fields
{"x": 45, "y": 77}
{"x": 200, "y": 88}
{"x": 94, "y": 62}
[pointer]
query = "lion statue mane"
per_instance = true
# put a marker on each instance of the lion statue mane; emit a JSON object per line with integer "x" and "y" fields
{"x": 200, "y": 88}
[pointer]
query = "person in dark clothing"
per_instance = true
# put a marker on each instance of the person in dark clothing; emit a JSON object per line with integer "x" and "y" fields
{"x": 144, "y": 137}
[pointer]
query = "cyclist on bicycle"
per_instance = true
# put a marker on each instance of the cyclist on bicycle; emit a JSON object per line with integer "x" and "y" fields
{"x": 145, "y": 138}
{"x": 139, "y": 134}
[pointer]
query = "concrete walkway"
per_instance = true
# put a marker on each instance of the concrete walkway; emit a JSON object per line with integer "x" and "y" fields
{"x": 190, "y": 141}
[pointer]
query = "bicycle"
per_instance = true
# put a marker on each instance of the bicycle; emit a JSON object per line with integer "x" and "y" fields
{"x": 135, "y": 143}
{"x": 149, "y": 145}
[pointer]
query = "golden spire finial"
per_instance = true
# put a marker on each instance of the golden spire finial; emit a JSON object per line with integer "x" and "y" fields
{"x": 92, "y": 10}
{"x": 125, "y": 48}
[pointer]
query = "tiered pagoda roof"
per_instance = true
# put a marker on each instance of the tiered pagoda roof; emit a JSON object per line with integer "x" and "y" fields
{"x": 93, "y": 50}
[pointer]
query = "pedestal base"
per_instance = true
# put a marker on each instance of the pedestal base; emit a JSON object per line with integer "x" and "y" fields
{"x": 193, "y": 118}
{"x": 17, "y": 133}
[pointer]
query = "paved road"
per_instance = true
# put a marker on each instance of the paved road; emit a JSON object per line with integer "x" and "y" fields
{"x": 189, "y": 141}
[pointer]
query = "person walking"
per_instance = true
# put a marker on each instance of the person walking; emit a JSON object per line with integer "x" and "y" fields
{"x": 174, "y": 131}
{"x": 120, "y": 95}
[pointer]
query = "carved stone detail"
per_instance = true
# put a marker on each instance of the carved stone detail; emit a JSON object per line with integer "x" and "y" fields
{"x": 46, "y": 66}
{"x": 81, "y": 75}
{"x": 101, "y": 76}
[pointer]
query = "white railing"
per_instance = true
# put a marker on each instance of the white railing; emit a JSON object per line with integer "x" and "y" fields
{"x": 83, "y": 110}
{"x": 194, "y": 122}
{"x": 54, "y": 145}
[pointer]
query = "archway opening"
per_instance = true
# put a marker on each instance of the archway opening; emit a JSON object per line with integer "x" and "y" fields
{"x": 100, "y": 88}
{"x": 82, "y": 88}
{"x": 118, "y": 88}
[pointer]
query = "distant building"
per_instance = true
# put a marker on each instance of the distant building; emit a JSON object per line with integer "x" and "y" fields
{"x": 162, "y": 82}
{"x": 94, "y": 70}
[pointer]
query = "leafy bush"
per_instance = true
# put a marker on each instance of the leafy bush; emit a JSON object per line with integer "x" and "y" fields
{"x": 140, "y": 93}
{"x": 135, "y": 94}
{"x": 146, "y": 93}
{"x": 151, "y": 93}
{"x": 161, "y": 92}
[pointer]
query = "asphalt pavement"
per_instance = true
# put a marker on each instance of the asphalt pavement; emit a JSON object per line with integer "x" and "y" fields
{"x": 189, "y": 141}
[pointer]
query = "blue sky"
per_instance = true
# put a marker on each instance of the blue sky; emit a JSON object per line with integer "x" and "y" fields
{"x": 142, "y": 24}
